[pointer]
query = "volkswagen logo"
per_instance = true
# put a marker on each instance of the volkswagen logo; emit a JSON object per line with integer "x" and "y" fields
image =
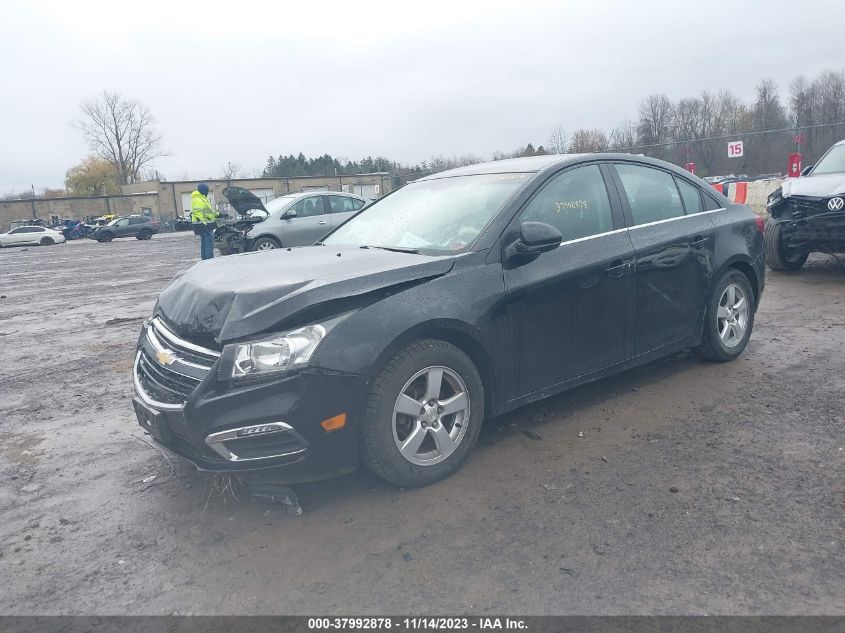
{"x": 836, "y": 204}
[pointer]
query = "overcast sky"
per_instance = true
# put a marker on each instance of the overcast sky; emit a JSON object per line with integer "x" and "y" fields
{"x": 240, "y": 80}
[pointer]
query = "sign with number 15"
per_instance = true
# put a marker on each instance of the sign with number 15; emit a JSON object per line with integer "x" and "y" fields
{"x": 735, "y": 149}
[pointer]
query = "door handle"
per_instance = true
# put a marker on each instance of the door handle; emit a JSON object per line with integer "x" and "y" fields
{"x": 699, "y": 241}
{"x": 618, "y": 268}
{"x": 321, "y": 222}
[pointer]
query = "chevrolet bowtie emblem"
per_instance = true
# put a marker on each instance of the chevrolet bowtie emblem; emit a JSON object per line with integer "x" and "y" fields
{"x": 165, "y": 357}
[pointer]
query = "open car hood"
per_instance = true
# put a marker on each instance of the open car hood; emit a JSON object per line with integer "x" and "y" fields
{"x": 233, "y": 297}
{"x": 243, "y": 200}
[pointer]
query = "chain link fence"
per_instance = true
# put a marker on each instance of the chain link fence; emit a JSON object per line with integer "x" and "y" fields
{"x": 749, "y": 155}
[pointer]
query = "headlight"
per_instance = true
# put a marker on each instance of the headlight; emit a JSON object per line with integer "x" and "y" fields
{"x": 279, "y": 353}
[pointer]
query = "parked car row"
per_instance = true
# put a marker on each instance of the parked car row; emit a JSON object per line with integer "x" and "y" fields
{"x": 28, "y": 232}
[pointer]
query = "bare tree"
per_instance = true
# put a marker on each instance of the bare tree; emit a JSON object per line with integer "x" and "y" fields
{"x": 768, "y": 112}
{"x": 559, "y": 141}
{"x": 623, "y": 136}
{"x": 232, "y": 171}
{"x": 655, "y": 124}
{"x": 121, "y": 131}
{"x": 586, "y": 141}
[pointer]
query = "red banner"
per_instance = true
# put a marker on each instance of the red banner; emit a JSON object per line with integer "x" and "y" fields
{"x": 794, "y": 170}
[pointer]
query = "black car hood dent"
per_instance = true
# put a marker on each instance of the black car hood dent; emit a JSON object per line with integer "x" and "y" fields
{"x": 232, "y": 297}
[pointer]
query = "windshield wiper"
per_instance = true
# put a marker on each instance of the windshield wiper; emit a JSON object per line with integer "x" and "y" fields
{"x": 396, "y": 249}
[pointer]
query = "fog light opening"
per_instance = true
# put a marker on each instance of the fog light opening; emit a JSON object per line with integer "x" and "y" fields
{"x": 334, "y": 423}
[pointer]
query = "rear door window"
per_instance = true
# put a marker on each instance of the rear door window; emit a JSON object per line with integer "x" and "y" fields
{"x": 340, "y": 204}
{"x": 691, "y": 196}
{"x": 652, "y": 194}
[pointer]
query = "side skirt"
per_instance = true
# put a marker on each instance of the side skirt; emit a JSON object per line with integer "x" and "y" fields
{"x": 635, "y": 361}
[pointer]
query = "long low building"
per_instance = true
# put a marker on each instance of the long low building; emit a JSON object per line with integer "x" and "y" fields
{"x": 167, "y": 199}
{"x": 175, "y": 195}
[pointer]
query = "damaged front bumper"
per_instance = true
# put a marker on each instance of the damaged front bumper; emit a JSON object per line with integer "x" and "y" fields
{"x": 270, "y": 427}
{"x": 808, "y": 224}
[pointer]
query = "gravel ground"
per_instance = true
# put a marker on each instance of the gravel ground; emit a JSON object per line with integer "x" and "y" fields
{"x": 681, "y": 487}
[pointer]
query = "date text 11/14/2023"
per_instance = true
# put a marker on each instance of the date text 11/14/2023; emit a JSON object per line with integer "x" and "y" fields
{"x": 418, "y": 623}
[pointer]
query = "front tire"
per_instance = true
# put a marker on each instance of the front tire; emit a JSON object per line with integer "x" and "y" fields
{"x": 728, "y": 318}
{"x": 47, "y": 241}
{"x": 778, "y": 256}
{"x": 423, "y": 414}
{"x": 105, "y": 237}
{"x": 265, "y": 244}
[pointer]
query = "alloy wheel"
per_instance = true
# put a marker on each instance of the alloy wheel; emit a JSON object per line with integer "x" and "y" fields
{"x": 431, "y": 415}
{"x": 732, "y": 315}
{"x": 266, "y": 246}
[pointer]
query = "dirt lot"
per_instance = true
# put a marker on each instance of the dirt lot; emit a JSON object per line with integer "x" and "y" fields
{"x": 695, "y": 488}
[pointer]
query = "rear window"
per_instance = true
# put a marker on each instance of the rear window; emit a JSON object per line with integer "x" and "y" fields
{"x": 691, "y": 196}
{"x": 652, "y": 194}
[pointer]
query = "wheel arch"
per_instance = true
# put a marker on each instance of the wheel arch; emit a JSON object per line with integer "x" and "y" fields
{"x": 268, "y": 236}
{"x": 745, "y": 267}
{"x": 459, "y": 334}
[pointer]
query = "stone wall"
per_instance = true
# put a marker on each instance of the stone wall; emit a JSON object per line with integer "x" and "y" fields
{"x": 78, "y": 208}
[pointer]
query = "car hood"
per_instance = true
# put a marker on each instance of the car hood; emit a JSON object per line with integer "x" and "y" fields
{"x": 242, "y": 200}
{"x": 232, "y": 297}
{"x": 821, "y": 186}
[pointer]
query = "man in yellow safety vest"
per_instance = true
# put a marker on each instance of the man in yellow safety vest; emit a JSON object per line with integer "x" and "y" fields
{"x": 204, "y": 220}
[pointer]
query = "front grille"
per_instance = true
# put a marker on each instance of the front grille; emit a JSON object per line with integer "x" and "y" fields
{"x": 181, "y": 347}
{"x": 162, "y": 383}
{"x": 169, "y": 368}
{"x": 808, "y": 205}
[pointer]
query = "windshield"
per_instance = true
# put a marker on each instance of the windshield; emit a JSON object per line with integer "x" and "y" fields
{"x": 113, "y": 222}
{"x": 831, "y": 163}
{"x": 277, "y": 204}
{"x": 445, "y": 214}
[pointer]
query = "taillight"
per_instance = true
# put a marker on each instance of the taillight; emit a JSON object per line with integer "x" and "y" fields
{"x": 761, "y": 224}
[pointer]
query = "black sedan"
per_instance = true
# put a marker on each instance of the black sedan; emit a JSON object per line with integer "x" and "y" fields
{"x": 457, "y": 298}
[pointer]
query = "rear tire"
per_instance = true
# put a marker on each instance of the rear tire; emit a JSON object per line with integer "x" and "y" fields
{"x": 727, "y": 324}
{"x": 47, "y": 241}
{"x": 265, "y": 244}
{"x": 778, "y": 257}
{"x": 144, "y": 235}
{"x": 408, "y": 380}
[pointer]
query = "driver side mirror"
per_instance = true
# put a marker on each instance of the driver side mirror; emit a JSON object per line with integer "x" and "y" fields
{"x": 807, "y": 170}
{"x": 290, "y": 213}
{"x": 535, "y": 238}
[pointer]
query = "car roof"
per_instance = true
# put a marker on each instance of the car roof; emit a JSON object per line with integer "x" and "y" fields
{"x": 536, "y": 164}
{"x": 324, "y": 192}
